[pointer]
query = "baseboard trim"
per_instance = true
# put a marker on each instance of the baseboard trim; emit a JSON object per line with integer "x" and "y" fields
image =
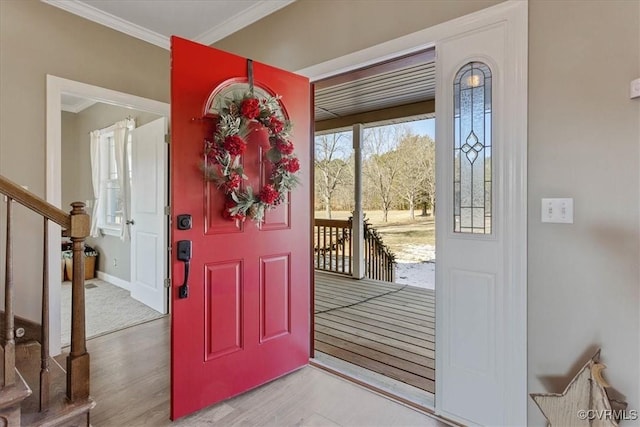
{"x": 32, "y": 330}
{"x": 114, "y": 280}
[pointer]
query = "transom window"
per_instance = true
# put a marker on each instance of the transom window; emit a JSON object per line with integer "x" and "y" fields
{"x": 472, "y": 177}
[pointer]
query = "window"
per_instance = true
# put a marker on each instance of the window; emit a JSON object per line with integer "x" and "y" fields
{"x": 112, "y": 204}
{"x": 112, "y": 216}
{"x": 472, "y": 175}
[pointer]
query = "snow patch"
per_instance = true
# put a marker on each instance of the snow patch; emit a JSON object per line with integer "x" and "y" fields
{"x": 415, "y": 266}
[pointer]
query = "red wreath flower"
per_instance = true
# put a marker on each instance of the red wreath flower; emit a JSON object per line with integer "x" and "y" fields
{"x": 284, "y": 146}
{"x": 250, "y": 108}
{"x": 275, "y": 124}
{"x": 233, "y": 183}
{"x": 234, "y": 145}
{"x": 269, "y": 195}
{"x": 290, "y": 164}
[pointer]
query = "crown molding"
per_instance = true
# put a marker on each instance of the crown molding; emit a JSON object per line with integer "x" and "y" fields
{"x": 96, "y": 15}
{"x": 241, "y": 20}
{"x": 231, "y": 25}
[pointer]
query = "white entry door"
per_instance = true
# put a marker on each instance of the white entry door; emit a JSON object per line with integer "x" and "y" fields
{"x": 481, "y": 221}
{"x": 148, "y": 227}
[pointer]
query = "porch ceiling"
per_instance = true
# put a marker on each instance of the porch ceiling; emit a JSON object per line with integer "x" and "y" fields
{"x": 400, "y": 82}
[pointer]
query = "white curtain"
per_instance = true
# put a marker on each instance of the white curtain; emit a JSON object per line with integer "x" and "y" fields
{"x": 120, "y": 136}
{"x": 95, "y": 181}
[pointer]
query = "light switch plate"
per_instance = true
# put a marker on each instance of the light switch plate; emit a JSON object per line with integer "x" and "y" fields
{"x": 634, "y": 90}
{"x": 557, "y": 211}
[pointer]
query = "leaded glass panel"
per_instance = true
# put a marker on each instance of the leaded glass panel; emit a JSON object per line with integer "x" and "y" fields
{"x": 472, "y": 182}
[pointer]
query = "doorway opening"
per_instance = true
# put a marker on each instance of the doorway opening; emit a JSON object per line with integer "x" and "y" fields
{"x": 108, "y": 253}
{"x": 374, "y": 226}
{"x": 75, "y": 109}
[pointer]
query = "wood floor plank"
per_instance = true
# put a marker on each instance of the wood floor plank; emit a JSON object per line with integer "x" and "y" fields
{"x": 401, "y": 327}
{"x": 382, "y": 299}
{"x": 379, "y": 337}
{"x": 382, "y": 327}
{"x": 381, "y": 368}
{"x": 403, "y": 355}
{"x": 382, "y": 357}
{"x": 426, "y": 322}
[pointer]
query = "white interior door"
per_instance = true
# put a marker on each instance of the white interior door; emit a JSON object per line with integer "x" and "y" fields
{"x": 149, "y": 229}
{"x": 481, "y": 223}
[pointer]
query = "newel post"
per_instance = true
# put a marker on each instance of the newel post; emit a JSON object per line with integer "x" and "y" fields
{"x": 78, "y": 359}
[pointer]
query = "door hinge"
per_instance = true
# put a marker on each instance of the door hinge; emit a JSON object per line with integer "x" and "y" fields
{"x": 167, "y": 138}
{"x": 167, "y": 283}
{"x": 167, "y": 210}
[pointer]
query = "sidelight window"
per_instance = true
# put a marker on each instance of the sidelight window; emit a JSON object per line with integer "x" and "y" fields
{"x": 472, "y": 178}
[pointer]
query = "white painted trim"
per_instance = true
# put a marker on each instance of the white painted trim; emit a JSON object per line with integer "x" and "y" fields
{"x": 241, "y": 20}
{"x": 101, "y": 17}
{"x": 56, "y": 86}
{"x": 76, "y": 108}
{"x": 114, "y": 280}
{"x": 515, "y": 12}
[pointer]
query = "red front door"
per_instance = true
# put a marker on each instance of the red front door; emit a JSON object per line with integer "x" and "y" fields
{"x": 245, "y": 319}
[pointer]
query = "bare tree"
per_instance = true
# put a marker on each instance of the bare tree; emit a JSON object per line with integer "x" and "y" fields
{"x": 416, "y": 178}
{"x": 382, "y": 165}
{"x": 332, "y": 171}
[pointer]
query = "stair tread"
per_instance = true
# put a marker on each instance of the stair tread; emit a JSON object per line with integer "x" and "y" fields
{"x": 60, "y": 410}
{"x": 14, "y": 394}
{"x": 59, "y": 413}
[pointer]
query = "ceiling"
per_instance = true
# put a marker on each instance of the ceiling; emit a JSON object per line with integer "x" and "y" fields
{"x": 405, "y": 80}
{"x": 154, "y": 21}
{"x": 406, "y": 85}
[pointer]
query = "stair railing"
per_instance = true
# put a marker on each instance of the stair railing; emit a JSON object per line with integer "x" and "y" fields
{"x": 75, "y": 225}
{"x": 379, "y": 261}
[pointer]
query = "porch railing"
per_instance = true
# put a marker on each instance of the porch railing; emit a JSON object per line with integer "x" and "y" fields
{"x": 332, "y": 245}
{"x": 333, "y": 250}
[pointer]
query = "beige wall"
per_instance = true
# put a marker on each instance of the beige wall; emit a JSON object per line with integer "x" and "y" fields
{"x": 76, "y": 175}
{"x": 35, "y": 40}
{"x": 309, "y": 32}
{"x": 584, "y": 138}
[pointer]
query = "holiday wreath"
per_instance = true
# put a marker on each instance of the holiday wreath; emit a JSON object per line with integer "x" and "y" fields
{"x": 223, "y": 152}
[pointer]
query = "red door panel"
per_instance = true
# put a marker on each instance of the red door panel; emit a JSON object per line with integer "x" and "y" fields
{"x": 246, "y": 318}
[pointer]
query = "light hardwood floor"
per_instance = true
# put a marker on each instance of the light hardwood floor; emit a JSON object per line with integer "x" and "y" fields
{"x": 130, "y": 383}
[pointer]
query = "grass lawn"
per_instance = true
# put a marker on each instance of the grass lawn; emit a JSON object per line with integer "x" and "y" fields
{"x": 400, "y": 233}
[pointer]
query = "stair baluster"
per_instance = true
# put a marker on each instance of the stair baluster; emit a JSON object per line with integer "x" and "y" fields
{"x": 44, "y": 338}
{"x": 9, "y": 341}
{"x": 78, "y": 359}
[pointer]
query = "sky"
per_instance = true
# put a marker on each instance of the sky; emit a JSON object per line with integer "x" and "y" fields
{"x": 424, "y": 127}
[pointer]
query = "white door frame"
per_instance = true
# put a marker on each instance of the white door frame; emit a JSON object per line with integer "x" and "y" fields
{"x": 56, "y": 86}
{"x": 515, "y": 15}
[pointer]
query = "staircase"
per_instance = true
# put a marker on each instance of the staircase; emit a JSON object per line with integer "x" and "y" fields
{"x": 35, "y": 390}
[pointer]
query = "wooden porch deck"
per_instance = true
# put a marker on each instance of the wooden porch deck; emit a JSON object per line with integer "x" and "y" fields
{"x": 383, "y": 327}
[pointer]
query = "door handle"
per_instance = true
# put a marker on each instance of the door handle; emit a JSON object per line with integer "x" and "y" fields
{"x": 184, "y": 255}
{"x": 130, "y": 222}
